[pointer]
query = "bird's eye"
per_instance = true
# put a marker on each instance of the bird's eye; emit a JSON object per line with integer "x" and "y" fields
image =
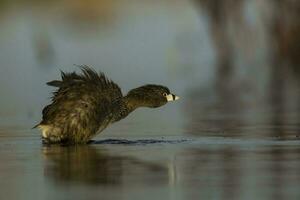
{"x": 165, "y": 94}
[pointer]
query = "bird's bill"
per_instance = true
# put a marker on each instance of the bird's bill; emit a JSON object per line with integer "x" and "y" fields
{"x": 172, "y": 97}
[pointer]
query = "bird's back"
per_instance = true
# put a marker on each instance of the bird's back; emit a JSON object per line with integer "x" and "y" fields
{"x": 83, "y": 105}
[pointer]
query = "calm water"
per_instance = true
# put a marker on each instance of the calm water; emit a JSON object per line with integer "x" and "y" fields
{"x": 152, "y": 167}
{"x": 234, "y": 133}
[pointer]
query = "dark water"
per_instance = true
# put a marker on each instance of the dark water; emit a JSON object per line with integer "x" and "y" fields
{"x": 163, "y": 168}
{"x": 234, "y": 133}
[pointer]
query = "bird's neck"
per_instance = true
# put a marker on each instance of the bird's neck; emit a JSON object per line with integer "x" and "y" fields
{"x": 131, "y": 103}
{"x": 135, "y": 98}
{"x": 125, "y": 106}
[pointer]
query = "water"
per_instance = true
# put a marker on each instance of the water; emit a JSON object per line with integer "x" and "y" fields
{"x": 157, "y": 167}
{"x": 233, "y": 134}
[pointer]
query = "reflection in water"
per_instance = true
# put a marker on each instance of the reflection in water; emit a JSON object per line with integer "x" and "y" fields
{"x": 232, "y": 174}
{"x": 82, "y": 164}
{"x": 231, "y": 109}
{"x": 283, "y": 174}
{"x": 94, "y": 166}
{"x": 237, "y": 173}
{"x": 277, "y": 99}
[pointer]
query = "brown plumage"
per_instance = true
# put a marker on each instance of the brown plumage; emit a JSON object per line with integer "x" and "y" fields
{"x": 87, "y": 103}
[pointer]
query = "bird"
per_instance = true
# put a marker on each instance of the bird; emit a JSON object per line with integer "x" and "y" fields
{"x": 85, "y": 103}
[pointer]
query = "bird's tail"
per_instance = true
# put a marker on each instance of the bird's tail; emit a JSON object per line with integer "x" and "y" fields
{"x": 35, "y": 126}
{"x": 55, "y": 83}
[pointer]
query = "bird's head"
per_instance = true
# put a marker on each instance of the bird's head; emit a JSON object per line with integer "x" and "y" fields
{"x": 151, "y": 96}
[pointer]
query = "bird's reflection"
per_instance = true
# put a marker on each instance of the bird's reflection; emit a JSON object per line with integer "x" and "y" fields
{"x": 97, "y": 166}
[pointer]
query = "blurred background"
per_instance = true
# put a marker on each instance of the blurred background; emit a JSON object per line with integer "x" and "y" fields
{"x": 234, "y": 63}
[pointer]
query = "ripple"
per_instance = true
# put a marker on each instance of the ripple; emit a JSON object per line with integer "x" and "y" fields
{"x": 137, "y": 141}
